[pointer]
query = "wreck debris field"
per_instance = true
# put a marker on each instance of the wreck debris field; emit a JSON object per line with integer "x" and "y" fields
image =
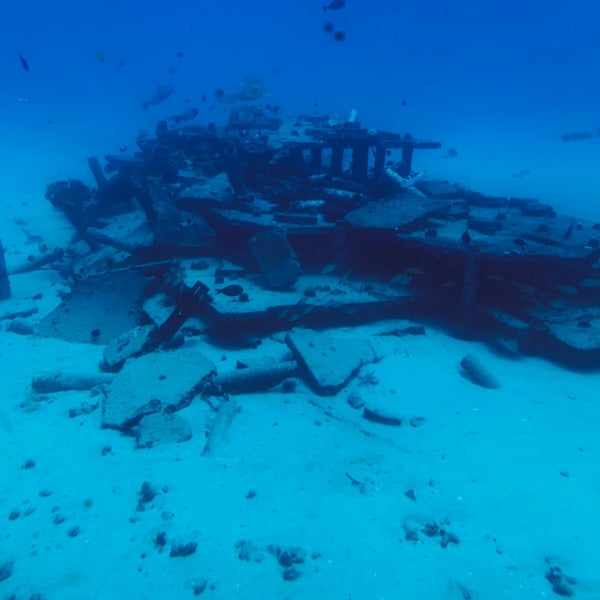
{"x": 255, "y": 345}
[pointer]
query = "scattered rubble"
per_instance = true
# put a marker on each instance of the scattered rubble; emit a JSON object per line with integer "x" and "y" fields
{"x": 226, "y": 234}
{"x": 562, "y": 584}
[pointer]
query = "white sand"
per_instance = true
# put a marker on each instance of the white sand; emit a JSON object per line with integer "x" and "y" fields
{"x": 488, "y": 461}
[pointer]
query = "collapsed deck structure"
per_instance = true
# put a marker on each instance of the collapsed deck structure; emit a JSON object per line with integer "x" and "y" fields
{"x": 316, "y": 221}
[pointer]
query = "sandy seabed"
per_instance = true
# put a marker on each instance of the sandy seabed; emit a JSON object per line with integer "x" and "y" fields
{"x": 512, "y": 473}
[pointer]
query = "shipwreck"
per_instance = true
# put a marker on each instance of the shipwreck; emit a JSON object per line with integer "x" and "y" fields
{"x": 264, "y": 224}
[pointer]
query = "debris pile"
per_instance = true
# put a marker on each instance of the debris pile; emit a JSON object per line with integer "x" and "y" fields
{"x": 265, "y": 223}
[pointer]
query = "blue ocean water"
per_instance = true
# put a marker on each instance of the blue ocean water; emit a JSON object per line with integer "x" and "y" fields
{"x": 500, "y": 83}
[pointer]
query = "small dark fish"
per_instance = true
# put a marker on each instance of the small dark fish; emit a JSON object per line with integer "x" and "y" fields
{"x": 179, "y": 54}
{"x": 466, "y": 238}
{"x": 568, "y": 232}
{"x": 403, "y": 102}
{"x": 328, "y": 27}
{"x": 339, "y": 36}
{"x": 334, "y": 5}
{"x": 123, "y": 148}
{"x": 203, "y": 97}
{"x": 231, "y": 290}
{"x": 24, "y": 62}
{"x": 120, "y": 62}
{"x": 219, "y": 93}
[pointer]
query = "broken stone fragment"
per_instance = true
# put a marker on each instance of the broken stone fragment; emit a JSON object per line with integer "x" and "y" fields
{"x": 170, "y": 381}
{"x": 219, "y": 427}
{"x": 330, "y": 362}
{"x": 249, "y": 552}
{"x": 6, "y": 570}
{"x": 215, "y": 191}
{"x": 130, "y": 232}
{"x": 180, "y": 550}
{"x": 20, "y": 326}
{"x": 147, "y": 494}
{"x": 276, "y": 259}
{"x": 125, "y": 346}
{"x": 162, "y": 428}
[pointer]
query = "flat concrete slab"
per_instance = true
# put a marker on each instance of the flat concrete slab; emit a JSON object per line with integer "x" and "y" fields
{"x": 152, "y": 383}
{"x": 107, "y": 306}
{"x": 330, "y": 361}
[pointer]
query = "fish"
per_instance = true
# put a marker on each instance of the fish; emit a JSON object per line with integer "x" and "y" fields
{"x": 24, "y": 62}
{"x": 188, "y": 115}
{"x": 231, "y": 290}
{"x": 334, "y": 5}
{"x": 465, "y": 237}
{"x": 161, "y": 93}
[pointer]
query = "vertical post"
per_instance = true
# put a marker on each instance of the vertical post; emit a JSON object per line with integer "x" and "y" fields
{"x": 407, "y": 155}
{"x": 380, "y": 154}
{"x": 4, "y": 283}
{"x": 360, "y": 163}
{"x": 337, "y": 159}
